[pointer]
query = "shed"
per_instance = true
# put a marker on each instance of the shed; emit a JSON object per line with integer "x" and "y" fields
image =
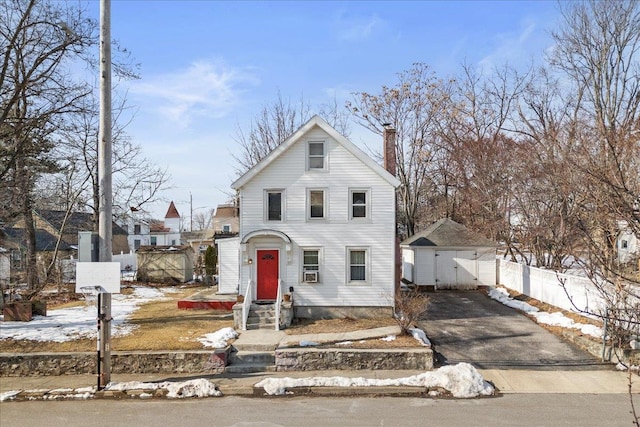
{"x": 228, "y": 263}
{"x": 447, "y": 255}
{"x": 165, "y": 263}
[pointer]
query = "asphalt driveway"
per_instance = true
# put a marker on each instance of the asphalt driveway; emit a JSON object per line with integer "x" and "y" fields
{"x": 471, "y": 327}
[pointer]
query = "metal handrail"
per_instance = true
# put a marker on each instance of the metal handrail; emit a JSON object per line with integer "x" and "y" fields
{"x": 278, "y": 304}
{"x": 246, "y": 305}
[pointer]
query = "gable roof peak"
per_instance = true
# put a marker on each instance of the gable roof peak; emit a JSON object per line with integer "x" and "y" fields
{"x": 316, "y": 120}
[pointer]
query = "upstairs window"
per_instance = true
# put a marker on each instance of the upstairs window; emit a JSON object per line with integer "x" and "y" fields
{"x": 359, "y": 200}
{"x": 316, "y": 154}
{"x": 316, "y": 204}
{"x": 136, "y": 229}
{"x": 274, "y": 205}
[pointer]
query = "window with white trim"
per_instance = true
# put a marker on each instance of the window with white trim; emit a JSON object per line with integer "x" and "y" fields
{"x": 273, "y": 205}
{"x": 310, "y": 264}
{"x": 316, "y": 204}
{"x": 358, "y": 266}
{"x": 359, "y": 204}
{"x": 316, "y": 155}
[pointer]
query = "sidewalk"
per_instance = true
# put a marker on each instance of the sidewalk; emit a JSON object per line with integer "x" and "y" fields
{"x": 506, "y": 382}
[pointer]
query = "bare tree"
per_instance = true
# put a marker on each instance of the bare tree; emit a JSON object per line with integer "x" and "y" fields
{"x": 597, "y": 49}
{"x": 546, "y": 200}
{"x": 38, "y": 40}
{"x": 413, "y": 108}
{"x": 275, "y": 123}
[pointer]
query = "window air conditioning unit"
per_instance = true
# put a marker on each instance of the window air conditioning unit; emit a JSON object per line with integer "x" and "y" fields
{"x": 310, "y": 276}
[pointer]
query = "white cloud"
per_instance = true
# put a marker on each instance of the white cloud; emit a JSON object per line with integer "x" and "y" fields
{"x": 356, "y": 28}
{"x": 511, "y": 47}
{"x": 202, "y": 89}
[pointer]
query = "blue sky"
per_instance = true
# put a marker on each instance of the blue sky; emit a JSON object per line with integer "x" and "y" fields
{"x": 208, "y": 67}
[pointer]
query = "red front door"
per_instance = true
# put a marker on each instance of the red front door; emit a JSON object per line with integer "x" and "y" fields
{"x": 268, "y": 268}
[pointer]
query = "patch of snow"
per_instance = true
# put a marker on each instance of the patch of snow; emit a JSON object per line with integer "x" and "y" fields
{"x": 68, "y": 324}
{"x": 219, "y": 338}
{"x": 9, "y": 395}
{"x": 461, "y": 380}
{"x": 304, "y": 343}
{"x": 554, "y": 319}
{"x": 389, "y": 338}
{"x": 344, "y": 343}
{"x": 419, "y": 334}
{"x": 199, "y": 387}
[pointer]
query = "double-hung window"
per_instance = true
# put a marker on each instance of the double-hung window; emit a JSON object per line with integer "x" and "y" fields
{"x": 316, "y": 200}
{"x": 359, "y": 204}
{"x": 316, "y": 155}
{"x": 310, "y": 265}
{"x": 358, "y": 270}
{"x": 273, "y": 205}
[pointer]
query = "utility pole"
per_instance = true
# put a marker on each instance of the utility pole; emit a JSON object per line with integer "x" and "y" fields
{"x": 104, "y": 178}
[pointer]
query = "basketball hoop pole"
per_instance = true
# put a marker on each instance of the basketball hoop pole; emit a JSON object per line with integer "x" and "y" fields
{"x": 105, "y": 190}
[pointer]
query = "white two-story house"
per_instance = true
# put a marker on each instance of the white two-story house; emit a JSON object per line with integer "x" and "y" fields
{"x": 317, "y": 220}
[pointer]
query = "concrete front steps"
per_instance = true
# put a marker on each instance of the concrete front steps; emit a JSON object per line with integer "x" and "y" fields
{"x": 244, "y": 362}
{"x": 262, "y": 316}
{"x": 254, "y": 351}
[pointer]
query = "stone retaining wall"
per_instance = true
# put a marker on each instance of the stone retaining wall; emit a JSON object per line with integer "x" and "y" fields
{"x": 315, "y": 359}
{"x": 135, "y": 362}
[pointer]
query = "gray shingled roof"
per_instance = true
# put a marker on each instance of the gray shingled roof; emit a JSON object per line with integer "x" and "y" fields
{"x": 448, "y": 233}
{"x": 77, "y": 221}
{"x": 45, "y": 241}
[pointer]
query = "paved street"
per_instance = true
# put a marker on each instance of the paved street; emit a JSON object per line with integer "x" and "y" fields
{"x": 510, "y": 410}
{"x": 471, "y": 327}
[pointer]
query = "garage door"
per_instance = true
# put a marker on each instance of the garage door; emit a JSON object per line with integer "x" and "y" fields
{"x": 456, "y": 269}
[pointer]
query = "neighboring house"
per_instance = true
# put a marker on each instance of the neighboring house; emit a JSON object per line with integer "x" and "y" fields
{"x": 139, "y": 233}
{"x": 317, "y": 218}
{"x": 166, "y": 233}
{"x": 226, "y": 220}
{"x": 165, "y": 263}
{"x": 52, "y": 225}
{"x": 447, "y": 255}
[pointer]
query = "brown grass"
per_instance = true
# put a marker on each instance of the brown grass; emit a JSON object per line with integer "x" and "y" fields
{"x": 160, "y": 325}
{"x": 309, "y": 326}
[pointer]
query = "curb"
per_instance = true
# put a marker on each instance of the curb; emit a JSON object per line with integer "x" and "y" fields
{"x": 258, "y": 392}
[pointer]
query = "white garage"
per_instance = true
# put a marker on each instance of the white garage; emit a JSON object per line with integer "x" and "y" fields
{"x": 447, "y": 255}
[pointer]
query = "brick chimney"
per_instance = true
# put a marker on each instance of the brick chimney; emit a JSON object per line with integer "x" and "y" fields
{"x": 389, "y": 155}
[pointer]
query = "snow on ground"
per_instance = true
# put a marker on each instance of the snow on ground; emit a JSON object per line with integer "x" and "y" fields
{"x": 461, "y": 380}
{"x": 219, "y": 338}
{"x": 553, "y": 319}
{"x": 68, "y": 324}
{"x": 199, "y": 387}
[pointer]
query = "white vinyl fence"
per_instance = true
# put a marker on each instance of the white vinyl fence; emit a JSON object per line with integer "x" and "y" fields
{"x": 577, "y": 294}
